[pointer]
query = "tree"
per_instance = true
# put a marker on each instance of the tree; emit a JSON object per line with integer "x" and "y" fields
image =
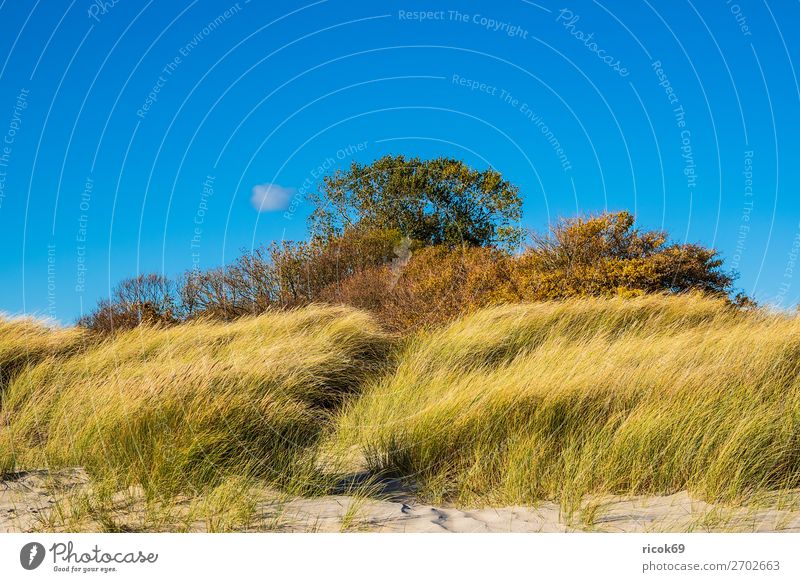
{"x": 607, "y": 255}
{"x": 433, "y": 202}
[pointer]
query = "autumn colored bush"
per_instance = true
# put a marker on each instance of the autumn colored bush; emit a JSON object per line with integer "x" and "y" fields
{"x": 439, "y": 285}
{"x": 607, "y": 255}
{"x": 408, "y": 284}
{"x": 308, "y": 270}
{"x": 596, "y": 256}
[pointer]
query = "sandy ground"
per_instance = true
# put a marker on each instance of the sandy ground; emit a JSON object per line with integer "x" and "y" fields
{"x": 676, "y": 513}
{"x": 29, "y": 501}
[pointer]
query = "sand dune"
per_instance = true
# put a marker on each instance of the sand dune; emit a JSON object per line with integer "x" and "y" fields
{"x": 27, "y": 500}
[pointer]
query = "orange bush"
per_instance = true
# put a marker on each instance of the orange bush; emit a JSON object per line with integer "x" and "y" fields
{"x": 606, "y": 255}
{"x": 434, "y": 286}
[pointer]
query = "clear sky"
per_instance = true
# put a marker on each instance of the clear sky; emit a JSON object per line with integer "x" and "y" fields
{"x": 143, "y": 136}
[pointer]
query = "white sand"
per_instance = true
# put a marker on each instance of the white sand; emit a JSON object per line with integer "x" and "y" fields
{"x": 27, "y": 499}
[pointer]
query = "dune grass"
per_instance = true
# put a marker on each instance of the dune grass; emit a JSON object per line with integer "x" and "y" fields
{"x": 25, "y": 342}
{"x": 517, "y": 404}
{"x": 510, "y": 405}
{"x": 185, "y": 408}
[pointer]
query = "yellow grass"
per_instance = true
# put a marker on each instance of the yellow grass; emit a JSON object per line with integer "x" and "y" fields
{"x": 26, "y": 341}
{"x": 185, "y": 407}
{"x": 559, "y": 400}
{"x": 513, "y": 404}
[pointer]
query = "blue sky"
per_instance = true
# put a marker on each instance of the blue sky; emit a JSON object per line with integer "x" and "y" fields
{"x": 158, "y": 136}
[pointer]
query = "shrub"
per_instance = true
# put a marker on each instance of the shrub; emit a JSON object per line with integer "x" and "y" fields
{"x": 280, "y": 276}
{"x": 308, "y": 271}
{"x": 603, "y": 255}
{"x": 147, "y": 299}
{"x": 438, "y": 285}
{"x": 284, "y": 275}
{"x": 597, "y": 256}
{"x": 606, "y": 255}
{"x": 409, "y": 284}
{"x": 369, "y": 290}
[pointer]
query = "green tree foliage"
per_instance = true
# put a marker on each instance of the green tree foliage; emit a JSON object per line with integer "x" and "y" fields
{"x": 433, "y": 202}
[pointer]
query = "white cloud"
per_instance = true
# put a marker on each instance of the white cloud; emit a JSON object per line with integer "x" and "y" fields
{"x": 271, "y": 197}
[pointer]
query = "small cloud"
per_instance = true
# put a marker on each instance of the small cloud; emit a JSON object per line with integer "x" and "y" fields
{"x": 271, "y": 197}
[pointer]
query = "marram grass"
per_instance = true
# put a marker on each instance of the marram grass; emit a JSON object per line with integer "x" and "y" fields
{"x": 510, "y": 405}
{"x": 516, "y": 404}
{"x": 185, "y": 407}
{"x": 24, "y": 342}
